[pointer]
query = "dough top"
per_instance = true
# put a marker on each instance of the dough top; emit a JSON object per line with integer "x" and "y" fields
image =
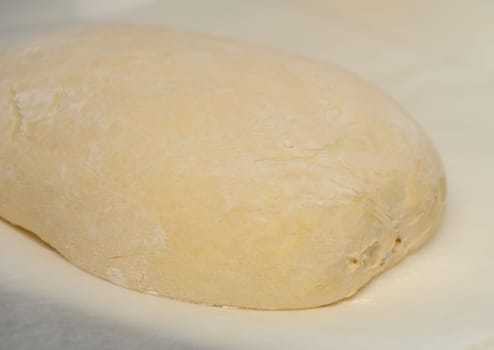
{"x": 208, "y": 170}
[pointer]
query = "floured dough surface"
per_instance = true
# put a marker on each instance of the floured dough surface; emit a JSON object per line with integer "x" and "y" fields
{"x": 208, "y": 170}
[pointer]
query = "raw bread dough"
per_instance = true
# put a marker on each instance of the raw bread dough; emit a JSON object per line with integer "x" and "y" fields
{"x": 208, "y": 170}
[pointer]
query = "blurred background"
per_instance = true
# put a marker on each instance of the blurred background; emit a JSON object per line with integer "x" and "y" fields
{"x": 461, "y": 30}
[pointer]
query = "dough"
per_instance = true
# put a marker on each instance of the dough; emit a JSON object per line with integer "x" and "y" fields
{"x": 210, "y": 171}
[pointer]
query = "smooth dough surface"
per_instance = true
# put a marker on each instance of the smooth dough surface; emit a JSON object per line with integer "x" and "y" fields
{"x": 210, "y": 171}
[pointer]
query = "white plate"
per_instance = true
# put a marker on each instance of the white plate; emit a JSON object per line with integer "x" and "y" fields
{"x": 435, "y": 58}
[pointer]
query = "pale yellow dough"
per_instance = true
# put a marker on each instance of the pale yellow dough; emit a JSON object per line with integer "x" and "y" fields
{"x": 208, "y": 170}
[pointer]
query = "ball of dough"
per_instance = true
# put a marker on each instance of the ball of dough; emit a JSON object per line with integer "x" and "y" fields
{"x": 208, "y": 170}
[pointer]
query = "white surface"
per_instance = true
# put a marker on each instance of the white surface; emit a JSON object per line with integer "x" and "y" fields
{"x": 436, "y": 58}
